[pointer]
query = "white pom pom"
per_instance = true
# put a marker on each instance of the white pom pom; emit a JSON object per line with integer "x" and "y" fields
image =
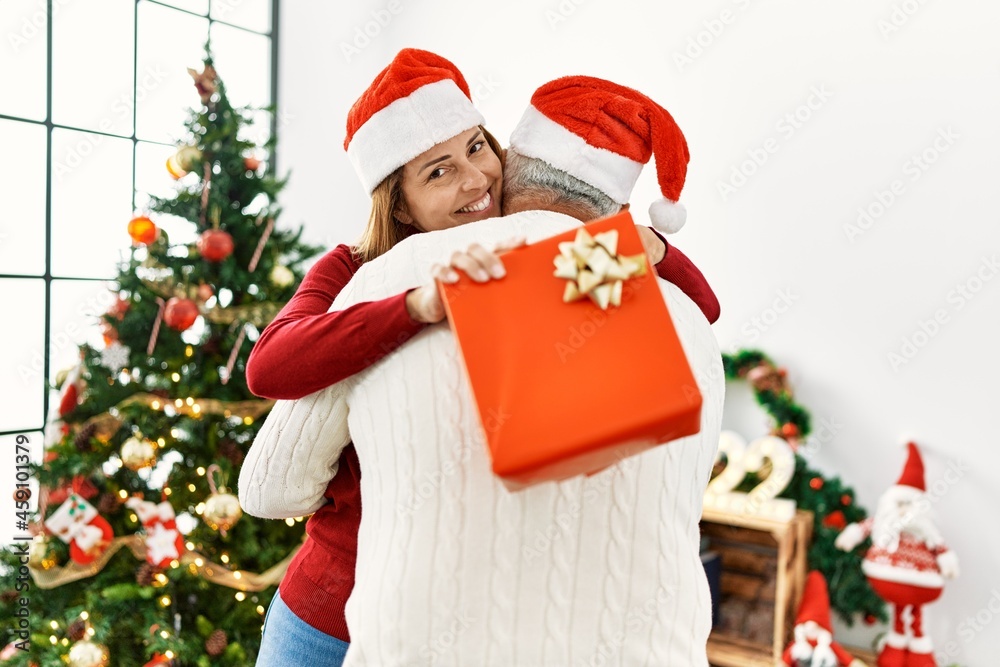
{"x": 667, "y": 216}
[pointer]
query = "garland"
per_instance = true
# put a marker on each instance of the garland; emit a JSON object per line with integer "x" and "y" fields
{"x": 831, "y": 502}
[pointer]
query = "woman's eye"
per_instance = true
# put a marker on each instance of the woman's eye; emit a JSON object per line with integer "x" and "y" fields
{"x": 437, "y": 173}
{"x": 476, "y": 147}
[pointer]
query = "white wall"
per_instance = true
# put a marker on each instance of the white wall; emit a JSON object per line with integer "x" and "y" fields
{"x": 780, "y": 237}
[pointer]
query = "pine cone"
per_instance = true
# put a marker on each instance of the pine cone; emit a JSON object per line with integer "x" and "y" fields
{"x": 76, "y": 630}
{"x": 108, "y": 504}
{"x": 83, "y": 436}
{"x": 144, "y": 575}
{"x": 216, "y": 643}
{"x": 231, "y": 451}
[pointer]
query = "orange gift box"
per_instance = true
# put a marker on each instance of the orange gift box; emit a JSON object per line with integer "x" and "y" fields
{"x": 565, "y": 389}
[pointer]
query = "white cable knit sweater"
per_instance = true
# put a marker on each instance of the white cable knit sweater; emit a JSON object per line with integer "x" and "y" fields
{"x": 452, "y": 568}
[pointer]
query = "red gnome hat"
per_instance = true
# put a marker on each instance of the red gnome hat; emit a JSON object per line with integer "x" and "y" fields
{"x": 602, "y": 134}
{"x": 815, "y": 602}
{"x": 913, "y": 471}
{"x": 815, "y": 607}
{"x": 419, "y": 100}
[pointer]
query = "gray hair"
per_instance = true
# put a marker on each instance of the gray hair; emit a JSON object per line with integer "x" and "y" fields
{"x": 531, "y": 178}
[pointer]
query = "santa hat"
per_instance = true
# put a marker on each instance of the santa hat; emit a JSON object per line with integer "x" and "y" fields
{"x": 913, "y": 471}
{"x": 418, "y": 101}
{"x": 815, "y": 604}
{"x": 603, "y": 134}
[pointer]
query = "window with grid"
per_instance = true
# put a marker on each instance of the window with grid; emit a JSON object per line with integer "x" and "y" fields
{"x": 92, "y": 103}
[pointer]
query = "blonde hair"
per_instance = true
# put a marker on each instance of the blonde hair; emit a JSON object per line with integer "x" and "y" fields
{"x": 384, "y": 230}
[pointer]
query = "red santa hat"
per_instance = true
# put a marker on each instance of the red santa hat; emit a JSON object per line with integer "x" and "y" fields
{"x": 603, "y": 134}
{"x": 418, "y": 101}
{"x": 815, "y": 604}
{"x": 913, "y": 471}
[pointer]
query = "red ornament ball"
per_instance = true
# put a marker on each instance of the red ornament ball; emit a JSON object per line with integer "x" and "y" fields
{"x": 120, "y": 307}
{"x": 870, "y": 619}
{"x": 205, "y": 292}
{"x": 846, "y": 499}
{"x": 108, "y": 332}
{"x": 789, "y": 430}
{"x": 816, "y": 483}
{"x": 143, "y": 230}
{"x": 215, "y": 245}
{"x": 251, "y": 163}
{"x": 835, "y": 519}
{"x": 180, "y": 314}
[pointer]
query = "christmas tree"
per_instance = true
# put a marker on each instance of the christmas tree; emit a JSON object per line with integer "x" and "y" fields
{"x": 832, "y": 503}
{"x": 140, "y": 554}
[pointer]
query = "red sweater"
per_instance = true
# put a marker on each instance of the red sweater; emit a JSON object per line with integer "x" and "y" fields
{"x": 321, "y": 576}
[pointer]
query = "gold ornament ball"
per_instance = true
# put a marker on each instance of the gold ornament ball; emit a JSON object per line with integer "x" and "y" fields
{"x": 282, "y": 276}
{"x": 38, "y": 553}
{"x": 138, "y": 454}
{"x": 222, "y": 510}
{"x": 86, "y": 653}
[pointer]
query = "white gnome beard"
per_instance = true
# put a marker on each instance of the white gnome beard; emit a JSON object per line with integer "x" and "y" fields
{"x": 891, "y": 522}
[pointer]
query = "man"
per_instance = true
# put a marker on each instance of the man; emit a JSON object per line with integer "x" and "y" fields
{"x": 452, "y": 568}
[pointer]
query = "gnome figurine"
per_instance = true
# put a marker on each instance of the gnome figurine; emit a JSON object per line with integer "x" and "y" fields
{"x": 906, "y": 564}
{"x": 813, "y": 645}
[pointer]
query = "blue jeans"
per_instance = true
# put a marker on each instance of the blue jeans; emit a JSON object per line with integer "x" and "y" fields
{"x": 289, "y": 641}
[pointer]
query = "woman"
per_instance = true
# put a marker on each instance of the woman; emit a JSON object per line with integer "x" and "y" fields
{"x": 420, "y": 149}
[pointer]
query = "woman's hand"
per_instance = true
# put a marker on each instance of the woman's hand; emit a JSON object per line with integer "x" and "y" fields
{"x": 656, "y": 249}
{"x": 481, "y": 265}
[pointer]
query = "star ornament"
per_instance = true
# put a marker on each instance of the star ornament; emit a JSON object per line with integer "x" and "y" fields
{"x": 161, "y": 544}
{"x": 115, "y": 356}
{"x": 593, "y": 268}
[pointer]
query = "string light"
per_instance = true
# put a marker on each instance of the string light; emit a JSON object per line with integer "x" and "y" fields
{"x": 175, "y": 564}
{"x": 260, "y": 610}
{"x": 290, "y": 522}
{"x": 200, "y": 471}
{"x": 225, "y": 558}
{"x": 161, "y": 442}
{"x": 155, "y": 405}
{"x": 165, "y": 601}
{"x": 176, "y": 377}
{"x": 241, "y": 596}
{"x": 237, "y": 575}
{"x": 189, "y": 401}
{"x": 188, "y": 351}
{"x": 123, "y": 494}
{"x": 164, "y": 634}
{"x": 91, "y": 632}
{"x": 167, "y": 491}
{"x": 191, "y": 487}
{"x": 84, "y": 615}
{"x": 169, "y": 655}
{"x": 178, "y": 402}
{"x": 198, "y": 561}
{"x": 52, "y": 638}
{"x": 55, "y": 626}
{"x": 64, "y": 642}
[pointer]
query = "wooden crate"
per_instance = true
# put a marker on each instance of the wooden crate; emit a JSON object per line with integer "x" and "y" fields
{"x": 763, "y": 574}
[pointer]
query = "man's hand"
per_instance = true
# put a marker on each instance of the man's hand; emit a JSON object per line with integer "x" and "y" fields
{"x": 481, "y": 265}
{"x": 656, "y": 250}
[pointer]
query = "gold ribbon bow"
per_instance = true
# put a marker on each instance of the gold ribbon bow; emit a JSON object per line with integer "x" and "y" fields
{"x": 593, "y": 268}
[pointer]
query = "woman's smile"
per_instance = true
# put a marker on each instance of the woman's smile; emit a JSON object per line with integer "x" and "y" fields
{"x": 479, "y": 205}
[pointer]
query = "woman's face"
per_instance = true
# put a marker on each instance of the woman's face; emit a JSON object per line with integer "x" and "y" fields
{"x": 455, "y": 182}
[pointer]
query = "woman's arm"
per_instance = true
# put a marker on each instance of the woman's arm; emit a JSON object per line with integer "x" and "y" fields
{"x": 307, "y": 348}
{"x": 676, "y": 268}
